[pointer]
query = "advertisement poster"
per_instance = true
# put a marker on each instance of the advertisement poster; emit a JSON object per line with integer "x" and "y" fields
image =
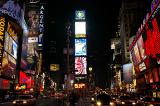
{"x": 80, "y": 65}
{"x": 80, "y": 47}
{"x": 127, "y": 73}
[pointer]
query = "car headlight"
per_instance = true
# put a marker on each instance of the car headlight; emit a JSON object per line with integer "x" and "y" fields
{"x": 24, "y": 102}
{"x": 111, "y": 103}
{"x": 133, "y": 103}
{"x": 99, "y": 103}
{"x": 123, "y": 102}
{"x": 14, "y": 102}
{"x": 92, "y": 99}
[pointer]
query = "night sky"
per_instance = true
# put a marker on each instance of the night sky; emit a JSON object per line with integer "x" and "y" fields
{"x": 101, "y": 18}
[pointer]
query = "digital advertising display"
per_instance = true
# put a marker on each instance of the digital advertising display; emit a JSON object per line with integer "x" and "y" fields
{"x": 137, "y": 54}
{"x": 141, "y": 47}
{"x": 32, "y": 39}
{"x": 127, "y": 73}
{"x": 11, "y": 33}
{"x": 4, "y": 84}
{"x": 145, "y": 48}
{"x": 2, "y": 35}
{"x": 80, "y": 15}
{"x": 80, "y": 29}
{"x": 24, "y": 79}
{"x": 80, "y": 65}
{"x": 80, "y": 47}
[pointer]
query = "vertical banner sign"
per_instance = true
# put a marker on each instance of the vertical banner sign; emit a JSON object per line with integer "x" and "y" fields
{"x": 2, "y": 29}
{"x": 41, "y": 25}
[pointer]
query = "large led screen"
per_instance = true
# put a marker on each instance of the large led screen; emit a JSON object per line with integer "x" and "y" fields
{"x": 127, "y": 73}
{"x": 80, "y": 65}
{"x": 9, "y": 60}
{"x": 8, "y": 65}
{"x": 80, "y": 47}
{"x": 152, "y": 37}
{"x": 80, "y": 29}
{"x": 136, "y": 51}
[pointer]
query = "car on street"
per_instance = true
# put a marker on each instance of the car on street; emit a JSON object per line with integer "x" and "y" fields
{"x": 24, "y": 100}
{"x": 126, "y": 100}
{"x": 103, "y": 99}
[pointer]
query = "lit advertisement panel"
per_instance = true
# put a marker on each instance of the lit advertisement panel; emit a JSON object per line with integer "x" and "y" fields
{"x": 8, "y": 65}
{"x": 80, "y": 65}
{"x": 134, "y": 57}
{"x": 11, "y": 34}
{"x": 141, "y": 47}
{"x": 80, "y": 29}
{"x": 32, "y": 19}
{"x": 32, "y": 39}
{"x": 2, "y": 35}
{"x": 80, "y": 15}
{"x": 80, "y": 47}
{"x": 10, "y": 45}
{"x": 136, "y": 51}
{"x": 4, "y": 84}
{"x": 24, "y": 79}
{"x": 127, "y": 73}
{"x": 152, "y": 37}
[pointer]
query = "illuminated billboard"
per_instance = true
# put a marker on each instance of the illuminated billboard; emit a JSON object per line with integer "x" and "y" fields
{"x": 80, "y": 29}
{"x": 141, "y": 47}
{"x": 127, "y": 73}
{"x": 80, "y": 47}
{"x": 54, "y": 67}
{"x": 4, "y": 84}
{"x": 10, "y": 48}
{"x": 24, "y": 79}
{"x": 80, "y": 15}
{"x": 136, "y": 51}
{"x": 80, "y": 65}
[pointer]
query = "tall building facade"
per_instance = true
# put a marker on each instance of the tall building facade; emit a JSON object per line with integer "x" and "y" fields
{"x": 128, "y": 15}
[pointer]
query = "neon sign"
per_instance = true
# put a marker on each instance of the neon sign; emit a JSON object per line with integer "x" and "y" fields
{"x": 2, "y": 28}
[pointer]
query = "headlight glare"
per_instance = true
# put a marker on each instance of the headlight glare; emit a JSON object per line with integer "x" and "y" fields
{"x": 99, "y": 103}
{"x": 123, "y": 102}
{"x": 111, "y": 104}
{"x": 92, "y": 99}
{"x": 14, "y": 102}
{"x": 133, "y": 103}
{"x": 24, "y": 102}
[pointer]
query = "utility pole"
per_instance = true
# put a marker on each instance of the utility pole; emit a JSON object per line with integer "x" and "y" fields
{"x": 68, "y": 27}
